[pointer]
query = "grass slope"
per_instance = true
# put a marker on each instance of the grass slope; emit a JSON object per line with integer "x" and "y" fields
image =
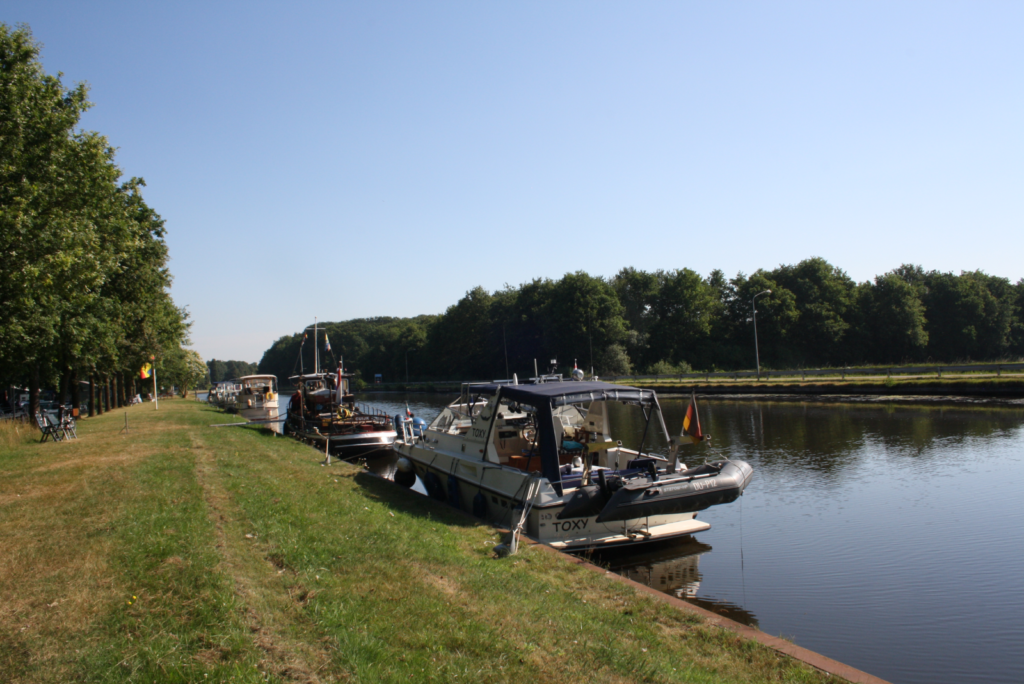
{"x": 180, "y": 552}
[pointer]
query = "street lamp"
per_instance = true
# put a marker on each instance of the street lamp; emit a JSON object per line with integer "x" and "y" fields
{"x": 407, "y": 364}
{"x": 757, "y": 354}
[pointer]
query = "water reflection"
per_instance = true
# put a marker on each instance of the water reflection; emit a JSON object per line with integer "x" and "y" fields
{"x": 673, "y": 568}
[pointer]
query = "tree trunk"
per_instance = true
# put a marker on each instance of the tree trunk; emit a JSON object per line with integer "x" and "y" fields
{"x": 105, "y": 399}
{"x": 76, "y": 392}
{"x": 92, "y": 395}
{"x": 33, "y": 392}
{"x": 64, "y": 388}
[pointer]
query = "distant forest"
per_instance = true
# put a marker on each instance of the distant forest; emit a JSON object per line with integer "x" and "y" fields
{"x": 674, "y": 321}
{"x": 226, "y": 370}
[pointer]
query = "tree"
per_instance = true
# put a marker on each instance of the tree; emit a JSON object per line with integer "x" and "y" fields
{"x": 38, "y": 236}
{"x": 584, "y": 314}
{"x": 969, "y": 316}
{"x": 185, "y": 369}
{"x": 460, "y": 343}
{"x": 777, "y": 314}
{"x": 683, "y": 311}
{"x": 894, "y": 320}
{"x": 83, "y": 285}
{"x": 637, "y": 291}
{"x": 824, "y": 297}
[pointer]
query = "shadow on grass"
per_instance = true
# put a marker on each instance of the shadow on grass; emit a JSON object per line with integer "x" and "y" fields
{"x": 398, "y": 498}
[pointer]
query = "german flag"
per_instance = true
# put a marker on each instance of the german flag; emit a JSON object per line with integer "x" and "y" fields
{"x": 691, "y": 422}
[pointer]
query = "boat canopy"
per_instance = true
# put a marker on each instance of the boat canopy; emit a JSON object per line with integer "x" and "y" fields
{"x": 548, "y": 396}
{"x": 557, "y": 394}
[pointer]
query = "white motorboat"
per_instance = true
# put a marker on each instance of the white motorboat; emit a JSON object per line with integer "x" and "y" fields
{"x": 223, "y": 394}
{"x": 540, "y": 458}
{"x": 257, "y": 398}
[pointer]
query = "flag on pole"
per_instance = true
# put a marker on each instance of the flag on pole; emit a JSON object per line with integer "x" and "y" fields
{"x": 691, "y": 422}
{"x": 146, "y": 371}
{"x": 407, "y": 411}
{"x": 327, "y": 342}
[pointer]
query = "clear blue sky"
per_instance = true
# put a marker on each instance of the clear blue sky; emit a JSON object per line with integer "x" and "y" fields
{"x": 343, "y": 160}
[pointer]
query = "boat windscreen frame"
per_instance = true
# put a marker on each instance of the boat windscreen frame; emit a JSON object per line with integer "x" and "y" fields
{"x": 545, "y": 398}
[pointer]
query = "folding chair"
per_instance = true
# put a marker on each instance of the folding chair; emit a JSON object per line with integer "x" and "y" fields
{"x": 49, "y": 430}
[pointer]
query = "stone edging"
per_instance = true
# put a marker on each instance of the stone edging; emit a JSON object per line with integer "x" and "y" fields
{"x": 815, "y": 660}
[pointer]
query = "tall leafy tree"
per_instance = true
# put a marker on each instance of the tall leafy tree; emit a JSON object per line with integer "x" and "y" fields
{"x": 824, "y": 296}
{"x": 585, "y": 319}
{"x": 83, "y": 281}
{"x": 637, "y": 292}
{"x": 684, "y": 310}
{"x": 970, "y": 316}
{"x": 894, "y": 320}
{"x": 38, "y": 237}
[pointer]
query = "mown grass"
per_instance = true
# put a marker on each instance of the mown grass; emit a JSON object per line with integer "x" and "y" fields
{"x": 182, "y": 552}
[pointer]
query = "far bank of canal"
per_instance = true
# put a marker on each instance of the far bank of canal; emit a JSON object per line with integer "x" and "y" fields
{"x": 887, "y": 537}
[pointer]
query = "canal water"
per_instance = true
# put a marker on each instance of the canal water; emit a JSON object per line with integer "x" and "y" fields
{"x": 890, "y": 537}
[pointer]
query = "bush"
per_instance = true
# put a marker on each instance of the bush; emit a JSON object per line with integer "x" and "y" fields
{"x": 667, "y": 368}
{"x": 614, "y": 361}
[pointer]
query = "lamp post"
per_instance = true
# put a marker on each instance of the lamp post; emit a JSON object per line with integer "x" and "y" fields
{"x": 407, "y": 364}
{"x": 757, "y": 354}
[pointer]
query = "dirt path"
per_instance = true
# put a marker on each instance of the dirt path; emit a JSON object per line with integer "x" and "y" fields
{"x": 288, "y": 643}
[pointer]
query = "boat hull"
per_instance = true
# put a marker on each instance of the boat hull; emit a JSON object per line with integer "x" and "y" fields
{"x": 259, "y": 413}
{"x": 462, "y": 482}
{"x": 351, "y": 446}
{"x": 683, "y": 495}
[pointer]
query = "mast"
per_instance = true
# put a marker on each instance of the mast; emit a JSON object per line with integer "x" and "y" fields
{"x": 316, "y": 349}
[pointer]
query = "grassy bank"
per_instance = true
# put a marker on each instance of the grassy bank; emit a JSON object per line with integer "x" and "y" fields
{"x": 1008, "y": 387}
{"x": 180, "y": 552}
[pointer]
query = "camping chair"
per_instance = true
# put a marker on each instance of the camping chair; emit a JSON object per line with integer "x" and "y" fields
{"x": 67, "y": 422}
{"x": 49, "y": 430}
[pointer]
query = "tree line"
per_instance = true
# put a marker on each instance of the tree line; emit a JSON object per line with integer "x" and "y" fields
{"x": 218, "y": 371}
{"x": 83, "y": 280}
{"x": 811, "y": 314}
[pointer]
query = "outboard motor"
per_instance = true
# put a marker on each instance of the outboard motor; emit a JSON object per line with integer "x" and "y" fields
{"x": 418, "y": 426}
{"x": 400, "y": 424}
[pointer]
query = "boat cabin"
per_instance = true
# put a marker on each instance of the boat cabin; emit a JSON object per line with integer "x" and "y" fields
{"x": 263, "y": 386}
{"x": 319, "y": 393}
{"x": 559, "y": 429}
